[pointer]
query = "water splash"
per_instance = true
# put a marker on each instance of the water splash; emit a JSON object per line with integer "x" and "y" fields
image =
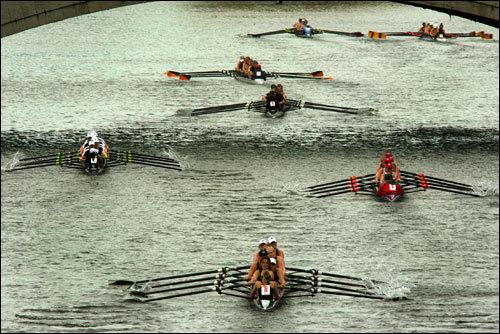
{"x": 485, "y": 188}
{"x": 388, "y": 283}
{"x": 10, "y": 163}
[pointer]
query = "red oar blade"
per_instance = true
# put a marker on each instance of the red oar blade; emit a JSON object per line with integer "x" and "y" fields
{"x": 317, "y": 74}
{"x": 184, "y": 77}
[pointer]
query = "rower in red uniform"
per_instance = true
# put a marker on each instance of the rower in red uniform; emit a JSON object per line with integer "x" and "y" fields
{"x": 389, "y": 174}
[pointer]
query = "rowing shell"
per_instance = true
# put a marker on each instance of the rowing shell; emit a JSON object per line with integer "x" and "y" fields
{"x": 250, "y": 81}
{"x": 265, "y": 300}
{"x": 438, "y": 38}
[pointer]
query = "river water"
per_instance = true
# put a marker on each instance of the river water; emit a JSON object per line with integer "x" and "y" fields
{"x": 65, "y": 234}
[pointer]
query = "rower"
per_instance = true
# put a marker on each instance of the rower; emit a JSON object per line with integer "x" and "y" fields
{"x": 256, "y": 258}
{"x": 272, "y": 241}
{"x": 274, "y": 100}
{"x": 239, "y": 64}
{"x": 280, "y": 90}
{"x": 390, "y": 174}
{"x": 86, "y": 143}
{"x": 422, "y": 28}
{"x": 299, "y": 25}
{"x": 247, "y": 66}
{"x": 264, "y": 276}
{"x": 257, "y": 72}
{"x": 386, "y": 158}
{"x": 280, "y": 264}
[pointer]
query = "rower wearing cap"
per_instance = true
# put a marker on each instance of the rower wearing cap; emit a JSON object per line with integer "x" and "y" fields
{"x": 389, "y": 173}
{"x": 299, "y": 25}
{"x": 386, "y": 158}
{"x": 239, "y": 64}
{"x": 87, "y": 141}
{"x": 256, "y": 258}
{"x": 280, "y": 264}
{"x": 272, "y": 241}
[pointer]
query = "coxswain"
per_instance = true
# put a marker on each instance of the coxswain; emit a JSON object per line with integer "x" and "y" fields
{"x": 308, "y": 31}
{"x": 239, "y": 64}
{"x": 257, "y": 72}
{"x": 256, "y": 258}
{"x": 390, "y": 174}
{"x": 441, "y": 30}
{"x": 264, "y": 276}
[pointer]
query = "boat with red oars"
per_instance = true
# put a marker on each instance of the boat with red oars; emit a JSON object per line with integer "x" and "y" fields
{"x": 390, "y": 191}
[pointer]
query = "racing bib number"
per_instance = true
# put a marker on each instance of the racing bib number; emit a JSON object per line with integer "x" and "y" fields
{"x": 392, "y": 187}
{"x": 258, "y": 73}
{"x": 272, "y": 103}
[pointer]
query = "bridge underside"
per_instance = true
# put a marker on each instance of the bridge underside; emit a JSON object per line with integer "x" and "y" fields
{"x": 480, "y": 11}
{"x": 18, "y": 16}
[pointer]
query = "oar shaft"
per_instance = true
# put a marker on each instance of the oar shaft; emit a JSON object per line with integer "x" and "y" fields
{"x": 345, "y": 180}
{"x": 433, "y": 178}
{"x": 144, "y": 155}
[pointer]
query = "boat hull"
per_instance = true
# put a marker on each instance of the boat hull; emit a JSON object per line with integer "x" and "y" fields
{"x": 267, "y": 304}
{"x": 250, "y": 81}
{"x": 390, "y": 192}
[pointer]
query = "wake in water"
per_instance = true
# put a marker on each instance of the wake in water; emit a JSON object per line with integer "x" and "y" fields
{"x": 394, "y": 286}
{"x": 10, "y": 163}
{"x": 485, "y": 188}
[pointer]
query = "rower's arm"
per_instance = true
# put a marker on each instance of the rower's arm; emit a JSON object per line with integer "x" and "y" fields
{"x": 255, "y": 277}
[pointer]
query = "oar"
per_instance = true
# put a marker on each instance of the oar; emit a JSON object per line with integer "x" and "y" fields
{"x": 221, "y": 270}
{"x": 317, "y": 272}
{"x": 215, "y": 288}
{"x": 314, "y": 74}
{"x": 130, "y": 158}
{"x": 55, "y": 155}
{"x": 321, "y": 106}
{"x": 314, "y": 278}
{"x": 216, "y": 109}
{"x": 449, "y": 190}
{"x": 441, "y": 184}
{"x": 148, "y": 156}
{"x": 433, "y": 178}
{"x": 268, "y": 33}
{"x": 218, "y": 276}
{"x": 346, "y": 184}
{"x": 316, "y": 290}
{"x": 300, "y": 77}
{"x": 319, "y": 284}
{"x": 355, "y": 34}
{"x": 345, "y": 180}
{"x": 344, "y": 110}
{"x": 217, "y": 282}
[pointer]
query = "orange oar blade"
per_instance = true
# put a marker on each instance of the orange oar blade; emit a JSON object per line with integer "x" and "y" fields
{"x": 184, "y": 77}
{"x": 317, "y": 74}
{"x": 172, "y": 74}
{"x": 330, "y": 78}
